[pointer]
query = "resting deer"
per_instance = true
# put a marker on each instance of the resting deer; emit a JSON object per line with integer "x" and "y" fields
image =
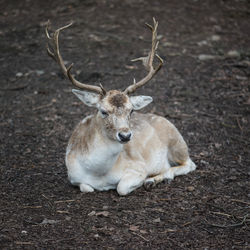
{"x": 117, "y": 148}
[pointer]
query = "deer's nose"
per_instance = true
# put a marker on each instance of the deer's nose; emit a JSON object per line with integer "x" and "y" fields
{"x": 124, "y": 136}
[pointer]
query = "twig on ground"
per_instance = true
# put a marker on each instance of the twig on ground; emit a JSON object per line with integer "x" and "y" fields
{"x": 56, "y": 202}
{"x": 32, "y": 206}
{"x": 240, "y": 201}
{"x": 187, "y": 223}
{"x": 219, "y": 213}
{"x": 227, "y": 125}
{"x": 24, "y": 243}
{"x": 170, "y": 199}
{"x": 238, "y": 122}
{"x": 230, "y": 225}
{"x": 43, "y": 106}
{"x": 140, "y": 236}
{"x": 49, "y": 201}
{"x": 14, "y": 88}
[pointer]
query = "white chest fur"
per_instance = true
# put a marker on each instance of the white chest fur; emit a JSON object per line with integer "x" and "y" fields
{"x": 101, "y": 159}
{"x": 94, "y": 168}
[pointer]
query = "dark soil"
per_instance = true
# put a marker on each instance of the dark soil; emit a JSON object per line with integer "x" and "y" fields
{"x": 207, "y": 99}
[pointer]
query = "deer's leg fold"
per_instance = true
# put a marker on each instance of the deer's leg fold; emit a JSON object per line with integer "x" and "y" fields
{"x": 151, "y": 182}
{"x": 182, "y": 169}
{"x": 130, "y": 181}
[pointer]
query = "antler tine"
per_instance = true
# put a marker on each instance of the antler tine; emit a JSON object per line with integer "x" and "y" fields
{"x": 148, "y": 61}
{"x": 54, "y": 52}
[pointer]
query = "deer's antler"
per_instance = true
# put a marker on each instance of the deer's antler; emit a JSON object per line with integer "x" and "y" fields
{"x": 147, "y": 62}
{"x": 53, "y": 51}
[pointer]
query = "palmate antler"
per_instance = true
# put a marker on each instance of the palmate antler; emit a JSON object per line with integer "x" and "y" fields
{"x": 53, "y": 51}
{"x": 147, "y": 62}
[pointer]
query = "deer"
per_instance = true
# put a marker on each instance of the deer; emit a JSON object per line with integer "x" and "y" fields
{"x": 118, "y": 147}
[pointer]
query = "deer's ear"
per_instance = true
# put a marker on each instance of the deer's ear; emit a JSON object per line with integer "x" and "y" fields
{"x": 88, "y": 98}
{"x": 140, "y": 101}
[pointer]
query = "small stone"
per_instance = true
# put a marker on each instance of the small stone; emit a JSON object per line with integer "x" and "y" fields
{"x": 19, "y": 74}
{"x": 217, "y": 28}
{"x": 27, "y": 151}
{"x": 203, "y": 42}
{"x": 47, "y": 221}
{"x": 68, "y": 218}
{"x": 232, "y": 178}
{"x": 190, "y": 188}
{"x": 204, "y": 57}
{"x": 78, "y": 72}
{"x": 169, "y": 44}
{"x": 215, "y": 38}
{"x": 134, "y": 228}
{"x": 103, "y": 213}
{"x": 213, "y": 19}
{"x": 241, "y": 78}
{"x": 92, "y": 213}
{"x": 157, "y": 220}
{"x": 247, "y": 63}
{"x": 159, "y": 37}
{"x": 204, "y": 162}
{"x": 233, "y": 54}
{"x": 39, "y": 72}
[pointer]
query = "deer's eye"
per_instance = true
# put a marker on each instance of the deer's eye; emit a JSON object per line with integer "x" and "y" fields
{"x": 104, "y": 113}
{"x": 131, "y": 112}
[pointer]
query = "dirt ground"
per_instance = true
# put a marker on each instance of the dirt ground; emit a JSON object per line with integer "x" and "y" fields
{"x": 203, "y": 89}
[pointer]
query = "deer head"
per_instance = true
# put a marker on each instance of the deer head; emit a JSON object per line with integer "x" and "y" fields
{"x": 114, "y": 107}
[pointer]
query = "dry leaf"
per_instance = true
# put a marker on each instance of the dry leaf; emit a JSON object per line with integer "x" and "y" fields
{"x": 103, "y": 213}
{"x": 157, "y": 220}
{"x": 134, "y": 228}
{"x": 92, "y": 213}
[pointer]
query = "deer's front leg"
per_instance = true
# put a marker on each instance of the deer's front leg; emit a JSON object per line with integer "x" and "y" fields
{"x": 85, "y": 188}
{"x": 130, "y": 181}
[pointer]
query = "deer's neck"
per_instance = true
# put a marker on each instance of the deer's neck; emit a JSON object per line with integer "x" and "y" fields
{"x": 103, "y": 152}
